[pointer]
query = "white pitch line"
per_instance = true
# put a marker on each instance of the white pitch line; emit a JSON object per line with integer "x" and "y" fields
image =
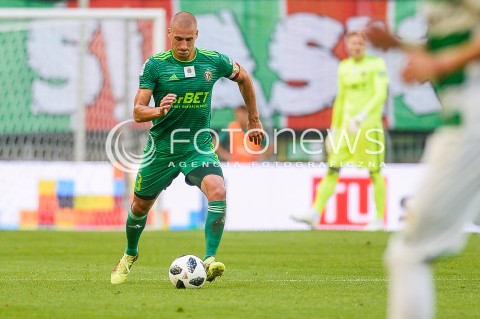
{"x": 229, "y": 280}
{"x": 314, "y": 280}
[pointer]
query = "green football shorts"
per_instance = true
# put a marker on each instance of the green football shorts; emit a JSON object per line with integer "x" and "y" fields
{"x": 156, "y": 176}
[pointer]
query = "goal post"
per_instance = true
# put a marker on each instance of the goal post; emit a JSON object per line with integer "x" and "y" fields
{"x": 78, "y": 68}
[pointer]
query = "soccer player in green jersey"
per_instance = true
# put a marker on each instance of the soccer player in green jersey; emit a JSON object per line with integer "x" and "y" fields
{"x": 356, "y": 132}
{"x": 181, "y": 81}
{"x": 449, "y": 195}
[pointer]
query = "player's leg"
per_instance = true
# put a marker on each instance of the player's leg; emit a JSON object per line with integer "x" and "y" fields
{"x": 379, "y": 195}
{"x": 136, "y": 221}
{"x": 150, "y": 181}
{"x": 135, "y": 224}
{"x": 209, "y": 179}
{"x": 214, "y": 188}
{"x": 337, "y": 157}
{"x": 324, "y": 191}
{"x": 447, "y": 200}
{"x": 411, "y": 291}
{"x": 371, "y": 155}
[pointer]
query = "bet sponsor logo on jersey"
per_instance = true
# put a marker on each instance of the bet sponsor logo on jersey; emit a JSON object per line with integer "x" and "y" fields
{"x": 191, "y": 98}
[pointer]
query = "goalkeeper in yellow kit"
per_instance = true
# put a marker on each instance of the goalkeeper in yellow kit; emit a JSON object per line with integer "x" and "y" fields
{"x": 356, "y": 134}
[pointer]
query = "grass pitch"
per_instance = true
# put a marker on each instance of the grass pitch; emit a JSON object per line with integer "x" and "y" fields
{"x": 321, "y": 274}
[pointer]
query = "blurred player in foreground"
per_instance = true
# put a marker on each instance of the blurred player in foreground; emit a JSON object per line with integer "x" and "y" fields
{"x": 449, "y": 196}
{"x": 356, "y": 134}
{"x": 181, "y": 82}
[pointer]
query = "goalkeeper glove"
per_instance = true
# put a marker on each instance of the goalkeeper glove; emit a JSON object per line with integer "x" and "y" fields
{"x": 356, "y": 123}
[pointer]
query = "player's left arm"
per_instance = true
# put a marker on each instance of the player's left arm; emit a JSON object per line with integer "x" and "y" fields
{"x": 254, "y": 126}
{"x": 338, "y": 104}
{"x": 380, "y": 89}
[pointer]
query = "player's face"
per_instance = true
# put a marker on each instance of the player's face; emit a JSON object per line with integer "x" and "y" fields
{"x": 183, "y": 42}
{"x": 356, "y": 47}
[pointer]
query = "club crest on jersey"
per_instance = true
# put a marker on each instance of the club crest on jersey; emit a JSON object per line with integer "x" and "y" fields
{"x": 189, "y": 71}
{"x": 207, "y": 75}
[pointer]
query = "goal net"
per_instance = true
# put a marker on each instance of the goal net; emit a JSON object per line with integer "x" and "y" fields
{"x": 67, "y": 77}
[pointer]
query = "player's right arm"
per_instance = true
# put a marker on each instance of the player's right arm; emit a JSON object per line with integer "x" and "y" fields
{"x": 142, "y": 112}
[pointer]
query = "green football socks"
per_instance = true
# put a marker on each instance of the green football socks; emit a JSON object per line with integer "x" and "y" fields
{"x": 325, "y": 190}
{"x": 379, "y": 192}
{"x": 214, "y": 226}
{"x": 134, "y": 228}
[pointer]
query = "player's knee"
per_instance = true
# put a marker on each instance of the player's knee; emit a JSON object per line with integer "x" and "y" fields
{"x": 217, "y": 193}
{"x": 141, "y": 207}
{"x": 333, "y": 170}
{"x": 374, "y": 172}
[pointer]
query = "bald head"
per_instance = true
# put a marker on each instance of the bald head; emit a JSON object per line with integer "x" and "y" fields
{"x": 183, "y": 20}
{"x": 183, "y": 33}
